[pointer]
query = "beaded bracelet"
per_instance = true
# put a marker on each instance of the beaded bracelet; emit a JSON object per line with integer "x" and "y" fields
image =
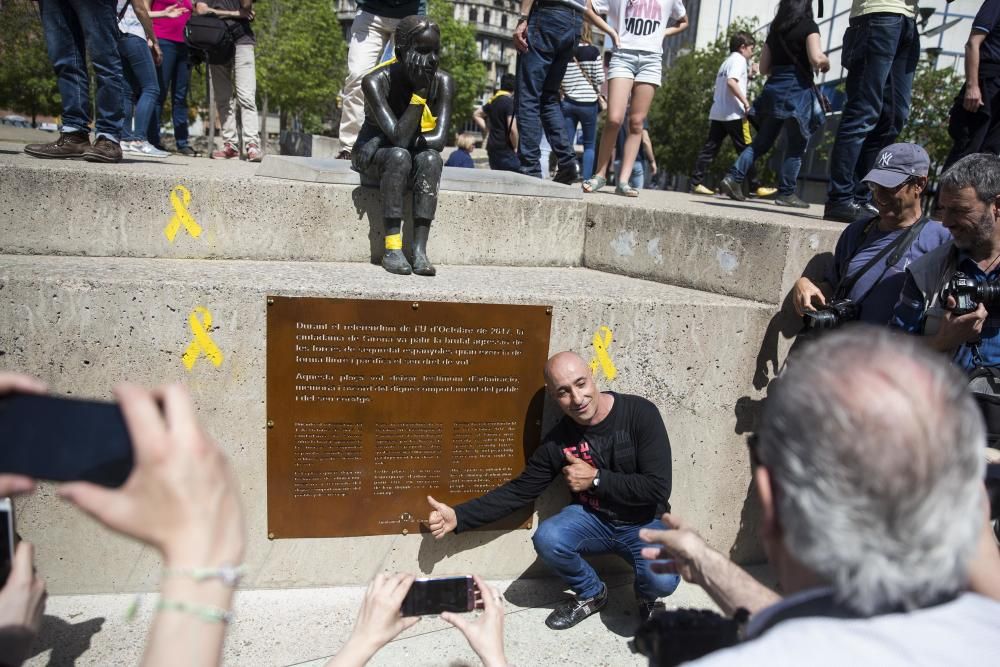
{"x": 204, "y": 612}
{"x": 230, "y": 575}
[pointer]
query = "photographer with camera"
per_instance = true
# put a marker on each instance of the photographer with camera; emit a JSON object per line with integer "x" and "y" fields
{"x": 872, "y": 253}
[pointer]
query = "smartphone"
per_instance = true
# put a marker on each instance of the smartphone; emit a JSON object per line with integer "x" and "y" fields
{"x": 64, "y": 439}
{"x": 7, "y": 534}
{"x": 432, "y": 596}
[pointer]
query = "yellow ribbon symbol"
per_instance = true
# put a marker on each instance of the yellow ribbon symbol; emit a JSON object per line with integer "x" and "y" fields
{"x": 181, "y": 215}
{"x": 201, "y": 344}
{"x": 602, "y": 359}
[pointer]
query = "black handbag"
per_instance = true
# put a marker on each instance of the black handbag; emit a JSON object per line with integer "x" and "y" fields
{"x": 211, "y": 37}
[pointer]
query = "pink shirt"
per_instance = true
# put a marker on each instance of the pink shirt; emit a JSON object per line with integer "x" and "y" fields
{"x": 167, "y": 28}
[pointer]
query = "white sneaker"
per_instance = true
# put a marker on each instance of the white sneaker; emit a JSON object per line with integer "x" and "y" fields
{"x": 130, "y": 146}
{"x": 149, "y": 150}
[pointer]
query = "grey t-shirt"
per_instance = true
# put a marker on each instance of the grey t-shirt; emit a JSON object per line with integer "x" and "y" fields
{"x": 241, "y": 29}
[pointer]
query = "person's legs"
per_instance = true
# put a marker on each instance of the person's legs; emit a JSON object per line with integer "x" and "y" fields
{"x": 137, "y": 62}
{"x": 795, "y": 148}
{"x": 588, "y": 126}
{"x": 537, "y": 91}
{"x": 619, "y": 90}
{"x": 245, "y": 66}
{"x": 571, "y": 116}
{"x": 642, "y": 97}
{"x": 562, "y": 540}
{"x": 968, "y": 130}
{"x": 767, "y": 134}
{"x": 566, "y": 35}
{"x": 132, "y": 89}
{"x": 504, "y": 161}
{"x": 98, "y": 19}
{"x": 648, "y": 585}
{"x": 869, "y": 53}
{"x": 716, "y": 134}
{"x": 222, "y": 89}
{"x": 65, "y": 44}
{"x": 165, "y": 77}
{"x": 638, "y": 176}
{"x": 739, "y": 134}
{"x": 369, "y": 35}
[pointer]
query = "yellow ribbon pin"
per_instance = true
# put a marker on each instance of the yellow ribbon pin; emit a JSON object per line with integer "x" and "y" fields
{"x": 181, "y": 215}
{"x": 202, "y": 343}
{"x": 602, "y": 359}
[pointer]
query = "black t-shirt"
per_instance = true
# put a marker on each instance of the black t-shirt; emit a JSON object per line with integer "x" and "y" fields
{"x": 585, "y": 52}
{"x": 629, "y": 447}
{"x": 498, "y": 113}
{"x": 795, "y": 41}
{"x": 987, "y": 21}
{"x": 242, "y": 32}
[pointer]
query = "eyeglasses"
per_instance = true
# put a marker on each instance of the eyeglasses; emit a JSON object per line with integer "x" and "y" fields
{"x": 875, "y": 186}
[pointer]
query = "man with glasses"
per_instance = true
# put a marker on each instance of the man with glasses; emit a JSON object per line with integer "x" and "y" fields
{"x": 873, "y": 252}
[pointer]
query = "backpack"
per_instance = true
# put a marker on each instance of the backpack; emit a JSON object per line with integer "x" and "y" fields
{"x": 211, "y": 38}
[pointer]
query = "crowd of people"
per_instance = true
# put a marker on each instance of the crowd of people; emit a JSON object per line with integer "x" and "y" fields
{"x": 140, "y": 55}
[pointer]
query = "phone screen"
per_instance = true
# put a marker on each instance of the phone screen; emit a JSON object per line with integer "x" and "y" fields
{"x": 7, "y": 538}
{"x": 433, "y": 596}
{"x": 64, "y": 440}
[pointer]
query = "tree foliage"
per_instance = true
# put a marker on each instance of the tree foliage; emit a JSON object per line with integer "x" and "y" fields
{"x": 678, "y": 118}
{"x": 460, "y": 58}
{"x": 301, "y": 56}
{"x": 27, "y": 80}
{"x": 934, "y": 92}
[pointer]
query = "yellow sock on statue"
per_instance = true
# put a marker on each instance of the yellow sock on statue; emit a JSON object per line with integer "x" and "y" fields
{"x": 394, "y": 242}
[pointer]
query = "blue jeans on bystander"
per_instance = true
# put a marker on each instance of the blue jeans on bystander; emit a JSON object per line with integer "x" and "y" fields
{"x": 174, "y": 77}
{"x": 880, "y": 53}
{"x": 563, "y": 540}
{"x": 139, "y": 100}
{"x": 584, "y": 115}
{"x": 767, "y": 133}
{"x": 72, "y": 28}
{"x": 553, "y": 31}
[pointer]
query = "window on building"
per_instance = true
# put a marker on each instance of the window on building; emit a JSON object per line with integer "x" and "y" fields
{"x": 485, "y": 49}
{"x": 503, "y": 20}
{"x": 486, "y": 16}
{"x": 473, "y": 15}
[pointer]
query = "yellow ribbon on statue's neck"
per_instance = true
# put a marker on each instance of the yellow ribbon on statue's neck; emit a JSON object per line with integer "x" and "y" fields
{"x": 428, "y": 121}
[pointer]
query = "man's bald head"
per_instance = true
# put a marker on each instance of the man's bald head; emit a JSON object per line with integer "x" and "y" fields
{"x": 570, "y": 383}
{"x": 561, "y": 362}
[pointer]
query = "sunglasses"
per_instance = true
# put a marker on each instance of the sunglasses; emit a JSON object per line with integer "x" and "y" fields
{"x": 875, "y": 186}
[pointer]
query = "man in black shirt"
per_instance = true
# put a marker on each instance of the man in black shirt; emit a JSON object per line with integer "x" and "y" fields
{"x": 496, "y": 120}
{"x": 614, "y": 453}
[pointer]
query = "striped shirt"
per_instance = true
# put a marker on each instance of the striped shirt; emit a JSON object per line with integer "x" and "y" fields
{"x": 574, "y": 84}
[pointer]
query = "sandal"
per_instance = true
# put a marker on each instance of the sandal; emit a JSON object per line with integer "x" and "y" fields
{"x": 594, "y": 184}
{"x": 626, "y": 190}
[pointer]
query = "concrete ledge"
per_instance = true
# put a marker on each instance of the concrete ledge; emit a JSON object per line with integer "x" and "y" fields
{"x": 84, "y": 324}
{"x": 80, "y": 208}
{"x": 752, "y": 250}
{"x": 453, "y": 179}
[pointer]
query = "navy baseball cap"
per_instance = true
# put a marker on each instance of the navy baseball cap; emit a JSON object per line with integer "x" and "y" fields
{"x": 898, "y": 162}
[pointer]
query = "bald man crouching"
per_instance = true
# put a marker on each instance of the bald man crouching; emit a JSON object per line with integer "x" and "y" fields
{"x": 613, "y": 451}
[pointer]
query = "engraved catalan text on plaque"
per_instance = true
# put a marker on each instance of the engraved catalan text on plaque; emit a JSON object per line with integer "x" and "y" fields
{"x": 373, "y": 405}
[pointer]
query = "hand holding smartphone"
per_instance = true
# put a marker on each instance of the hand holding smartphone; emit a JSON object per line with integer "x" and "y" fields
{"x": 429, "y": 596}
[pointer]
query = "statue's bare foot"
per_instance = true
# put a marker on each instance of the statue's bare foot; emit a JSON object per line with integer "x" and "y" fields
{"x": 394, "y": 261}
{"x": 421, "y": 265}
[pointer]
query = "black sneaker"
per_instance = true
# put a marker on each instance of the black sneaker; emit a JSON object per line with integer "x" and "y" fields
{"x": 732, "y": 189}
{"x": 188, "y": 151}
{"x": 790, "y": 200}
{"x": 846, "y": 211}
{"x": 646, "y": 609}
{"x": 568, "y": 174}
{"x": 571, "y": 612}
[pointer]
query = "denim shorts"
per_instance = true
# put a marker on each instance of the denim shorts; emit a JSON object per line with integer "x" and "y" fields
{"x": 643, "y": 66}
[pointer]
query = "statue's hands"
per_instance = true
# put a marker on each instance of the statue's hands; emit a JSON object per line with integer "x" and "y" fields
{"x": 420, "y": 70}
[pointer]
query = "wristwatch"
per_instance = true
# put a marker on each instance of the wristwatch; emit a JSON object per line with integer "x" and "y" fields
{"x": 597, "y": 480}
{"x": 522, "y": 18}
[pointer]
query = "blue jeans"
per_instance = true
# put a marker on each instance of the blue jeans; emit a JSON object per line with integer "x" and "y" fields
{"x": 637, "y": 178}
{"x": 767, "y": 133}
{"x": 143, "y": 90}
{"x": 583, "y": 114}
{"x": 174, "y": 75}
{"x": 564, "y": 539}
{"x": 880, "y": 53}
{"x": 503, "y": 161}
{"x": 552, "y": 35}
{"x": 73, "y": 27}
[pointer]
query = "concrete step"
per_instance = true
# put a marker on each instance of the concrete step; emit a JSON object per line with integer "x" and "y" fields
{"x": 83, "y": 324}
{"x": 306, "y": 627}
{"x": 122, "y": 210}
{"x": 751, "y": 250}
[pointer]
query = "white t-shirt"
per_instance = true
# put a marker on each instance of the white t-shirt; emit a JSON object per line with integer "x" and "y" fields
{"x": 640, "y": 23}
{"x": 725, "y": 105}
{"x": 130, "y": 22}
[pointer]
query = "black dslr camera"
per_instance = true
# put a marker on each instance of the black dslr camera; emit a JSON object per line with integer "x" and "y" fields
{"x": 968, "y": 294}
{"x": 672, "y": 638}
{"x": 832, "y": 315}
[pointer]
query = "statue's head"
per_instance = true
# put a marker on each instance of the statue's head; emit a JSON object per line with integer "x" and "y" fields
{"x": 418, "y": 47}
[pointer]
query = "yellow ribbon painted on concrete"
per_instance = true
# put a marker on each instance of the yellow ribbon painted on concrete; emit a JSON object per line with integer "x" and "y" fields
{"x": 202, "y": 343}
{"x": 602, "y": 359}
{"x": 394, "y": 242}
{"x": 181, "y": 214}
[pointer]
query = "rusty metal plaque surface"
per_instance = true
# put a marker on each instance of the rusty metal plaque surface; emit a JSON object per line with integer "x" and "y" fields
{"x": 373, "y": 405}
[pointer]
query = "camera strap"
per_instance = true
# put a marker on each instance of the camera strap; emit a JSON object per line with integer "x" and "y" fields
{"x": 897, "y": 249}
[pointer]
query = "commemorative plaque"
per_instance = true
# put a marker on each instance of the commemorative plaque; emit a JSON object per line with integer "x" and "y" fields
{"x": 374, "y": 405}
